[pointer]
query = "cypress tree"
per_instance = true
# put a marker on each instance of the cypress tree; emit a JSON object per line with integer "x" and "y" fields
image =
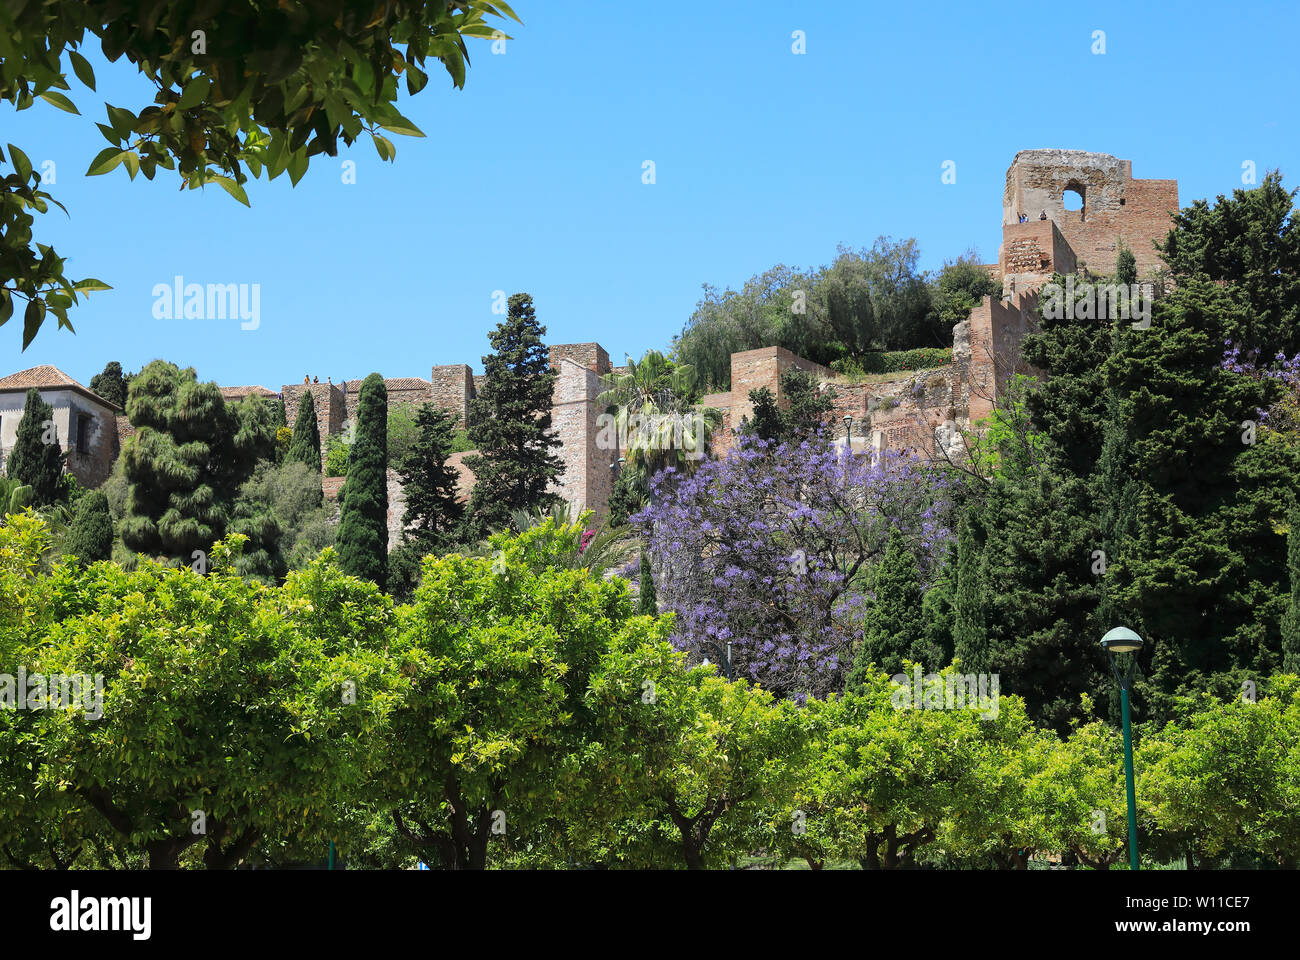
{"x": 110, "y": 384}
{"x": 363, "y": 520}
{"x": 646, "y": 603}
{"x": 511, "y": 421}
{"x": 34, "y": 462}
{"x": 1291, "y": 618}
{"x": 91, "y": 536}
{"x": 968, "y": 635}
{"x": 305, "y": 446}
{"x": 1126, "y": 270}
{"x": 893, "y": 615}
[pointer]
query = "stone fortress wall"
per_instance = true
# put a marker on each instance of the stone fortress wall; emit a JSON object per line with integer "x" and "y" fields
{"x": 919, "y": 410}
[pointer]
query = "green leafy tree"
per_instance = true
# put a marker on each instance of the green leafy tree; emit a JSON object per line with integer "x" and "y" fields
{"x": 695, "y": 761}
{"x": 267, "y": 92}
{"x": 959, "y": 287}
{"x": 807, "y": 413}
{"x": 500, "y": 651}
{"x": 91, "y": 536}
{"x": 511, "y": 421}
{"x": 363, "y": 517}
{"x": 305, "y": 446}
{"x": 970, "y": 641}
{"x": 167, "y": 643}
{"x": 36, "y": 459}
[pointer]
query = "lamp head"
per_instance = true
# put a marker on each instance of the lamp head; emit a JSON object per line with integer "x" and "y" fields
{"x": 1121, "y": 640}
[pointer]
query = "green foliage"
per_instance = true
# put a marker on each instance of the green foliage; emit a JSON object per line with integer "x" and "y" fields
{"x": 36, "y": 459}
{"x": 694, "y": 760}
{"x": 91, "y": 536}
{"x": 655, "y": 417}
{"x": 110, "y": 384}
{"x": 185, "y": 462}
{"x": 805, "y": 417}
{"x": 646, "y": 603}
{"x": 895, "y": 361}
{"x": 267, "y": 746}
{"x": 511, "y": 421}
{"x": 402, "y": 431}
{"x": 267, "y": 92}
{"x": 337, "y": 451}
{"x": 363, "y": 517}
{"x": 1291, "y": 618}
{"x": 629, "y": 495}
{"x": 305, "y": 445}
{"x": 1125, "y": 265}
{"x": 958, "y": 289}
{"x": 460, "y": 441}
{"x": 500, "y": 651}
{"x": 290, "y": 494}
{"x": 432, "y": 522}
{"x": 969, "y": 636}
{"x": 893, "y": 620}
{"x": 864, "y": 302}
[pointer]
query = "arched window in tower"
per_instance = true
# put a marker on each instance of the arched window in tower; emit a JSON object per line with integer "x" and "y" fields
{"x": 1073, "y": 198}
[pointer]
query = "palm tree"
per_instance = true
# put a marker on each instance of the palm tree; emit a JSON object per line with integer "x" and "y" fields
{"x": 655, "y": 405}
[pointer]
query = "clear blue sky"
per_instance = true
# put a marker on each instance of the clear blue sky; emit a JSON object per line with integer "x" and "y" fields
{"x": 530, "y": 178}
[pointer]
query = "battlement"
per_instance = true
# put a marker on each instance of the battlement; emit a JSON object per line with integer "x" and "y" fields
{"x": 1113, "y": 206}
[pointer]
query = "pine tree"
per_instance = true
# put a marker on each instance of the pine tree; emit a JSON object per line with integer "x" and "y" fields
{"x": 646, "y": 603}
{"x": 305, "y": 446}
{"x": 91, "y": 536}
{"x": 37, "y": 458}
{"x": 515, "y": 466}
{"x": 1291, "y": 619}
{"x": 110, "y": 384}
{"x": 433, "y": 508}
{"x": 893, "y": 627}
{"x": 186, "y": 460}
{"x": 434, "y": 513}
{"x": 363, "y": 518}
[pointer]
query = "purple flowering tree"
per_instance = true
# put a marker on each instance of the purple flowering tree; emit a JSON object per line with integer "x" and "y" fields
{"x": 1283, "y": 416}
{"x": 768, "y": 550}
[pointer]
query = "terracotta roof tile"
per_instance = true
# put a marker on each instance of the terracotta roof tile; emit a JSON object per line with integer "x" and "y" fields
{"x": 47, "y": 377}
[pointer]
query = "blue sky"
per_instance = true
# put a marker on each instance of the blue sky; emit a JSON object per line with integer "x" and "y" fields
{"x": 531, "y": 177}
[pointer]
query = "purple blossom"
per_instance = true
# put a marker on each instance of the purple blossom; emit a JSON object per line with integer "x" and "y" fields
{"x": 771, "y": 549}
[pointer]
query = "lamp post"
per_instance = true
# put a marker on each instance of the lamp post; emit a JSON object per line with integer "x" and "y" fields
{"x": 1124, "y": 640}
{"x": 717, "y": 648}
{"x": 848, "y": 432}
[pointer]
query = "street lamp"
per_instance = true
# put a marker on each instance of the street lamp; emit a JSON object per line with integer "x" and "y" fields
{"x": 727, "y": 669}
{"x": 848, "y": 431}
{"x": 1124, "y": 640}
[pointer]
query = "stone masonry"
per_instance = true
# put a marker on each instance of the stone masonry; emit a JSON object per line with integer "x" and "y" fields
{"x": 920, "y": 410}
